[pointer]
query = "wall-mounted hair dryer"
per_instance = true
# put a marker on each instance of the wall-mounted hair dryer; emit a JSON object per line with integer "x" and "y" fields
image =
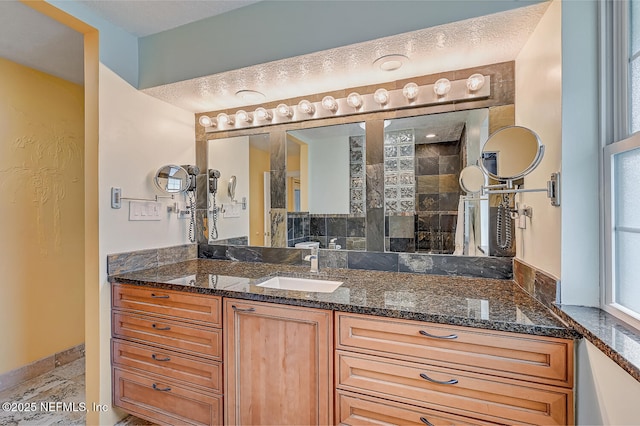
{"x": 213, "y": 175}
{"x": 191, "y": 197}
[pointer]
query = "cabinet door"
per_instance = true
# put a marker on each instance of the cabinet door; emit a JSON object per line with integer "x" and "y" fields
{"x": 278, "y": 364}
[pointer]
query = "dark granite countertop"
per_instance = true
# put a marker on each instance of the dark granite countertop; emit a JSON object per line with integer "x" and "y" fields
{"x": 475, "y": 302}
{"x": 613, "y": 337}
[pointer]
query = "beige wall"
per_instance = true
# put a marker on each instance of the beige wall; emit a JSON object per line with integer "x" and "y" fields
{"x": 538, "y": 106}
{"x": 42, "y": 204}
{"x": 258, "y": 164}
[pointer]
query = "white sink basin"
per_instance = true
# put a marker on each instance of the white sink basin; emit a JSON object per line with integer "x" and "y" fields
{"x": 301, "y": 284}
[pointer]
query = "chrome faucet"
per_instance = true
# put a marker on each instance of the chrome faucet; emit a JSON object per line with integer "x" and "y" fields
{"x": 313, "y": 258}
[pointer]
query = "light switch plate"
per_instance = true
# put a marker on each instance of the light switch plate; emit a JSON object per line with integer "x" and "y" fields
{"x": 144, "y": 210}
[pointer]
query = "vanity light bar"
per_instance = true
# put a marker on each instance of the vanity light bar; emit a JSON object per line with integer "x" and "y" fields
{"x": 476, "y": 87}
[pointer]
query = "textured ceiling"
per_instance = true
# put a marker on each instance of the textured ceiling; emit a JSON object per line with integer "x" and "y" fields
{"x": 37, "y": 41}
{"x": 473, "y": 42}
{"x": 145, "y": 17}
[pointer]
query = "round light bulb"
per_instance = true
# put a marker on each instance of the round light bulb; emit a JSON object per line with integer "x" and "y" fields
{"x": 381, "y": 96}
{"x": 244, "y": 116}
{"x": 262, "y": 114}
{"x": 225, "y": 119}
{"x": 410, "y": 91}
{"x": 206, "y": 121}
{"x": 354, "y": 100}
{"x": 442, "y": 87}
{"x": 475, "y": 82}
{"x": 284, "y": 110}
{"x": 306, "y": 107}
{"x": 329, "y": 103}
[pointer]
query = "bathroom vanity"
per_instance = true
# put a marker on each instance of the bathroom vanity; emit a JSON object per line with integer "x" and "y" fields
{"x": 201, "y": 342}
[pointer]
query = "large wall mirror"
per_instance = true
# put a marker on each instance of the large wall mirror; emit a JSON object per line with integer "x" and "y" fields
{"x": 380, "y": 181}
{"x": 324, "y": 186}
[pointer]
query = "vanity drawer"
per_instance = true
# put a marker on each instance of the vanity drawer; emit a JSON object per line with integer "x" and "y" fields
{"x": 168, "y": 334}
{"x": 354, "y": 409}
{"x": 167, "y": 363}
{"x": 164, "y": 402}
{"x": 187, "y": 306}
{"x": 523, "y": 357}
{"x": 470, "y": 394}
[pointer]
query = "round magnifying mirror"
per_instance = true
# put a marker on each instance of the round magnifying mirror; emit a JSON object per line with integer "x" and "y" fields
{"x": 172, "y": 179}
{"x": 511, "y": 153}
{"x": 472, "y": 179}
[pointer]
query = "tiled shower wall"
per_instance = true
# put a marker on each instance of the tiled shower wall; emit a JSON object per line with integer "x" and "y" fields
{"x": 348, "y": 230}
{"x": 437, "y": 196}
{"x": 297, "y": 228}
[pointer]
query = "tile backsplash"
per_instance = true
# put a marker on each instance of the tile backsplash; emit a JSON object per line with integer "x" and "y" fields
{"x": 120, "y": 263}
{"x": 484, "y": 267}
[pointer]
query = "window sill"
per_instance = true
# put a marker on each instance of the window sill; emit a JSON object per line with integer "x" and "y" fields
{"x": 616, "y": 339}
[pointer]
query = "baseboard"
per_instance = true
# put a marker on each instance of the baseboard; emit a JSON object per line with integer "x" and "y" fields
{"x": 15, "y": 377}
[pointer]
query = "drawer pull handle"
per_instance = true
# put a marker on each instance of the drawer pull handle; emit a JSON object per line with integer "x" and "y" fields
{"x": 429, "y": 379}
{"x": 160, "y": 328}
{"x": 159, "y": 296}
{"x": 425, "y": 421}
{"x": 167, "y": 389}
{"x": 155, "y": 357}
{"x": 235, "y": 308}
{"x": 450, "y": 337}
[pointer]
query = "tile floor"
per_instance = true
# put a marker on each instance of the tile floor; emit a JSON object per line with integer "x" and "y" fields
{"x": 64, "y": 384}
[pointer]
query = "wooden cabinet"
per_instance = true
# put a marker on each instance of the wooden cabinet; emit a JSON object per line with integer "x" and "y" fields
{"x": 479, "y": 375}
{"x": 166, "y": 354}
{"x": 278, "y": 364}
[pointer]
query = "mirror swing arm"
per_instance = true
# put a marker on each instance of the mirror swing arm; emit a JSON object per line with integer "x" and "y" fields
{"x": 497, "y": 160}
{"x": 552, "y": 189}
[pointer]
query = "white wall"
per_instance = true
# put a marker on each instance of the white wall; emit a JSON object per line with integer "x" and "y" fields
{"x": 231, "y": 157}
{"x": 329, "y": 175}
{"x": 138, "y": 134}
{"x": 538, "y": 107}
{"x": 605, "y": 393}
{"x": 580, "y": 151}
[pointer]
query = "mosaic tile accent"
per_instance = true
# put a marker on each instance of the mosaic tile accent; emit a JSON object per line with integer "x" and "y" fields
{"x": 357, "y": 148}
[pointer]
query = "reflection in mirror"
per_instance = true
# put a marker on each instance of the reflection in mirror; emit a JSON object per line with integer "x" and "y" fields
{"x": 472, "y": 179}
{"x": 423, "y": 157}
{"x": 326, "y": 186}
{"x": 245, "y": 161}
{"x": 172, "y": 179}
{"x": 511, "y": 153}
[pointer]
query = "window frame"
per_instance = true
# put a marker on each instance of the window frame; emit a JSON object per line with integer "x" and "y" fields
{"x": 616, "y": 137}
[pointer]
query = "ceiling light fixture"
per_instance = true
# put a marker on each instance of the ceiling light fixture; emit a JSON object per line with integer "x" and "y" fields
{"x": 390, "y": 62}
{"x": 284, "y": 110}
{"x": 225, "y": 119}
{"x": 306, "y": 107}
{"x": 410, "y": 91}
{"x": 244, "y": 116}
{"x": 475, "y": 82}
{"x": 442, "y": 87}
{"x": 354, "y": 100}
{"x": 381, "y": 96}
{"x": 329, "y": 103}
{"x": 431, "y": 135}
{"x": 262, "y": 114}
{"x": 251, "y": 96}
{"x": 206, "y": 121}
